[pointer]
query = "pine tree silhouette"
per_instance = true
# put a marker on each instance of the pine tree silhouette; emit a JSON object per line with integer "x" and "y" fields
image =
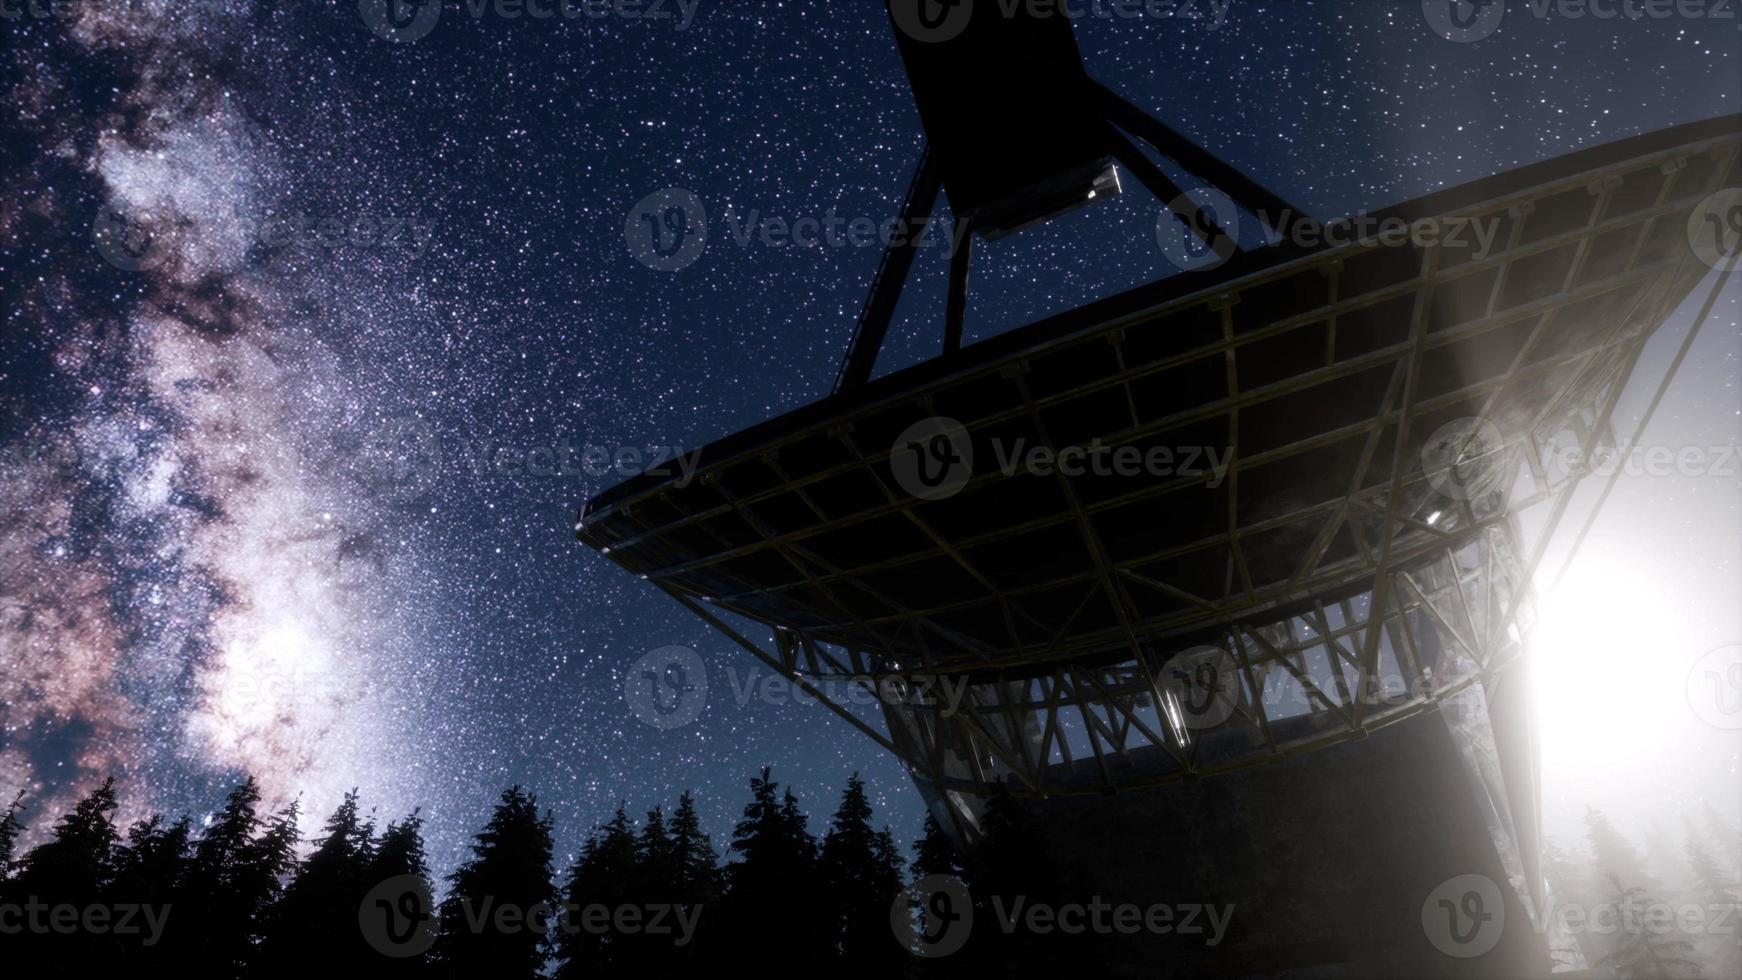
{"x": 696, "y": 885}
{"x": 73, "y": 868}
{"x": 1718, "y": 890}
{"x": 1010, "y": 862}
{"x": 265, "y": 865}
{"x": 861, "y": 871}
{"x": 600, "y": 882}
{"x": 935, "y": 853}
{"x": 313, "y": 928}
{"x": 212, "y": 927}
{"x": 1614, "y": 854}
{"x": 147, "y": 871}
{"x": 697, "y": 877}
{"x": 1725, "y": 835}
{"x": 1641, "y": 953}
{"x": 490, "y": 921}
{"x": 10, "y": 828}
{"x": 654, "y": 885}
{"x": 774, "y": 897}
{"x": 1569, "y": 883}
{"x": 399, "y": 852}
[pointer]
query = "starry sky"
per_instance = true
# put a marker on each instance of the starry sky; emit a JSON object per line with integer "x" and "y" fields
{"x": 288, "y": 306}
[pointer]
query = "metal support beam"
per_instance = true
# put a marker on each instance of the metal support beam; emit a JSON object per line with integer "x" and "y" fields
{"x": 1201, "y": 223}
{"x": 957, "y": 310}
{"x": 891, "y": 275}
{"x": 1245, "y": 191}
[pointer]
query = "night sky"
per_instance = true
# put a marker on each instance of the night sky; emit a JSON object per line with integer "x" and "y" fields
{"x": 244, "y": 525}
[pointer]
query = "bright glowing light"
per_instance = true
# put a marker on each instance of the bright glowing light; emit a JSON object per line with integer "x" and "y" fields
{"x": 1606, "y": 670}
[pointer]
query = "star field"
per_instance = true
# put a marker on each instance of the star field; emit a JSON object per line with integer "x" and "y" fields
{"x": 266, "y": 502}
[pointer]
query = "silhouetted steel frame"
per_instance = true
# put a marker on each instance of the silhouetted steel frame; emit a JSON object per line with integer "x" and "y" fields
{"x": 1067, "y": 679}
{"x": 1232, "y": 404}
{"x": 921, "y": 201}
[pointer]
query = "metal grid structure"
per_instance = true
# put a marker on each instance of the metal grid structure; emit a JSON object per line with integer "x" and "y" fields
{"x": 1385, "y": 410}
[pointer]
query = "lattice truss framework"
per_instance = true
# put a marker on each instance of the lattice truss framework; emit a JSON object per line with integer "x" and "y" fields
{"x": 1112, "y": 691}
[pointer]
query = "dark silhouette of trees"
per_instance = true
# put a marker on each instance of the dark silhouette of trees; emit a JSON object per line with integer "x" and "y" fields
{"x": 1011, "y": 865}
{"x": 1717, "y": 889}
{"x": 934, "y": 853}
{"x": 495, "y": 918}
{"x": 861, "y": 875}
{"x": 604, "y": 877}
{"x": 242, "y": 895}
{"x": 322, "y": 901}
{"x": 147, "y": 870}
{"x": 72, "y": 869}
{"x": 398, "y": 854}
{"x": 697, "y": 878}
{"x": 1642, "y": 953}
{"x": 664, "y": 875}
{"x": 1725, "y": 833}
{"x": 1614, "y": 854}
{"x": 210, "y": 936}
{"x": 774, "y": 896}
{"x": 10, "y": 828}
